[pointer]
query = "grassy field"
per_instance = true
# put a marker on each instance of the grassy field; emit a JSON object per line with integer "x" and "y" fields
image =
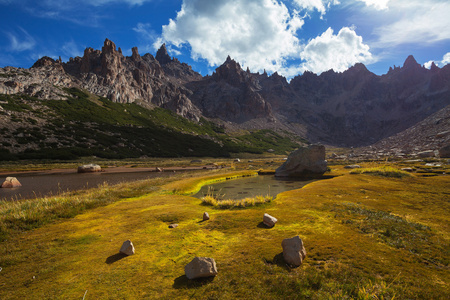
{"x": 367, "y": 236}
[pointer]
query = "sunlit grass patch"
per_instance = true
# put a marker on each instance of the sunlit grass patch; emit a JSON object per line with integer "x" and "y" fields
{"x": 27, "y": 214}
{"x": 227, "y": 203}
{"x": 395, "y": 231}
{"x": 385, "y": 171}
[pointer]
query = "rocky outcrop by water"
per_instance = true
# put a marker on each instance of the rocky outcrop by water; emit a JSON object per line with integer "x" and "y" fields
{"x": 306, "y": 161}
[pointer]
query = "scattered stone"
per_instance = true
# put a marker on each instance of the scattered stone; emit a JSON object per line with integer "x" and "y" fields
{"x": 444, "y": 152}
{"x": 270, "y": 150}
{"x": 89, "y": 168}
{"x": 304, "y": 162}
{"x": 427, "y": 153}
{"x": 173, "y": 225}
{"x": 432, "y": 164}
{"x": 269, "y": 221}
{"x": 158, "y": 169}
{"x": 11, "y": 182}
{"x": 352, "y": 167}
{"x": 200, "y": 267}
{"x": 127, "y": 248}
{"x": 443, "y": 134}
{"x": 408, "y": 169}
{"x": 293, "y": 251}
{"x": 237, "y": 160}
{"x": 205, "y": 216}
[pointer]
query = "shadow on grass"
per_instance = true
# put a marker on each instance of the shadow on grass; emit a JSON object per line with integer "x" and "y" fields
{"x": 116, "y": 257}
{"x": 183, "y": 282}
{"x": 263, "y": 226}
{"x": 279, "y": 261}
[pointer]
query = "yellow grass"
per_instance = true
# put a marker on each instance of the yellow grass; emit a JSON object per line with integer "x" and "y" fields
{"x": 350, "y": 225}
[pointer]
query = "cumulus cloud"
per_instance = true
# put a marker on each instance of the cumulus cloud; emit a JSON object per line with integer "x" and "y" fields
{"x": 445, "y": 60}
{"x": 414, "y": 21}
{"x": 20, "y": 41}
{"x": 260, "y": 34}
{"x": 337, "y": 52}
{"x": 319, "y": 5}
{"x": 377, "y": 4}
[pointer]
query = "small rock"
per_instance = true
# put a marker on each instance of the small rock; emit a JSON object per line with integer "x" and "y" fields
{"x": 444, "y": 152}
{"x": 352, "y": 167}
{"x": 293, "y": 251}
{"x": 158, "y": 169}
{"x": 269, "y": 221}
{"x": 173, "y": 225}
{"x": 11, "y": 182}
{"x": 237, "y": 160}
{"x": 408, "y": 169}
{"x": 205, "y": 216}
{"x": 127, "y": 248}
{"x": 428, "y": 153}
{"x": 200, "y": 267}
{"x": 89, "y": 168}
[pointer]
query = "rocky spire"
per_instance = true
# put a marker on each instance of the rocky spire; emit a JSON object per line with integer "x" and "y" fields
{"x": 410, "y": 62}
{"x": 135, "y": 56}
{"x": 162, "y": 56}
{"x": 433, "y": 67}
{"x": 108, "y": 47}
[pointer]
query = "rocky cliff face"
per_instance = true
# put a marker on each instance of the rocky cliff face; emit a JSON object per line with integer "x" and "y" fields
{"x": 352, "y": 108}
{"x": 230, "y": 94}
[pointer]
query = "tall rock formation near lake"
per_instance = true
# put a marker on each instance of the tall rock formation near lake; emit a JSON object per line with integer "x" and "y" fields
{"x": 352, "y": 108}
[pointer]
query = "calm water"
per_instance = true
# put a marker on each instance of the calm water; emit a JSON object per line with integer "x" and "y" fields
{"x": 36, "y": 185}
{"x": 250, "y": 187}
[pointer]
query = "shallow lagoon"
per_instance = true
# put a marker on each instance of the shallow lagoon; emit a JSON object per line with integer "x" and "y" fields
{"x": 250, "y": 187}
{"x": 40, "y": 185}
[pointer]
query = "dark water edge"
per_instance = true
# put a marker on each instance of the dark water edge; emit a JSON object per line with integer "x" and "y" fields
{"x": 42, "y": 185}
{"x": 261, "y": 185}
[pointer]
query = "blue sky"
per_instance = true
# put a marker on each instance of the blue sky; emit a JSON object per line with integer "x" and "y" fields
{"x": 284, "y": 36}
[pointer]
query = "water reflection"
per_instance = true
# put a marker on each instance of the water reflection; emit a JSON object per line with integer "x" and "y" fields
{"x": 250, "y": 187}
{"x": 40, "y": 185}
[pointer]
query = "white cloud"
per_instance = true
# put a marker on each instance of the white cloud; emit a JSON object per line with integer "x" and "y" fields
{"x": 260, "y": 34}
{"x": 319, "y": 5}
{"x": 20, "y": 42}
{"x": 414, "y": 21}
{"x": 337, "y": 52}
{"x": 377, "y": 4}
{"x": 445, "y": 60}
{"x": 71, "y": 49}
{"x": 145, "y": 30}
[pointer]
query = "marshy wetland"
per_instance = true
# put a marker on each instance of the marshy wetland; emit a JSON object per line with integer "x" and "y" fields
{"x": 368, "y": 235}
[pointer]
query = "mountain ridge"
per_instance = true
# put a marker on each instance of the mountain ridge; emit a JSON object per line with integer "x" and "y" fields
{"x": 351, "y": 108}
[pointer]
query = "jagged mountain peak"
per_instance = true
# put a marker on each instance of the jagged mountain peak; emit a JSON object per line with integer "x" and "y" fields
{"x": 108, "y": 47}
{"x": 410, "y": 62}
{"x": 162, "y": 56}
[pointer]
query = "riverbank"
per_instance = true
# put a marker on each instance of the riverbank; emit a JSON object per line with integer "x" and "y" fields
{"x": 366, "y": 237}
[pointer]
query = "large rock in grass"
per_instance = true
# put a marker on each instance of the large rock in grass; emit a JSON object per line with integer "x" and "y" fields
{"x": 304, "y": 162}
{"x": 293, "y": 251}
{"x": 11, "y": 182}
{"x": 89, "y": 168}
{"x": 200, "y": 267}
{"x": 127, "y": 248}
